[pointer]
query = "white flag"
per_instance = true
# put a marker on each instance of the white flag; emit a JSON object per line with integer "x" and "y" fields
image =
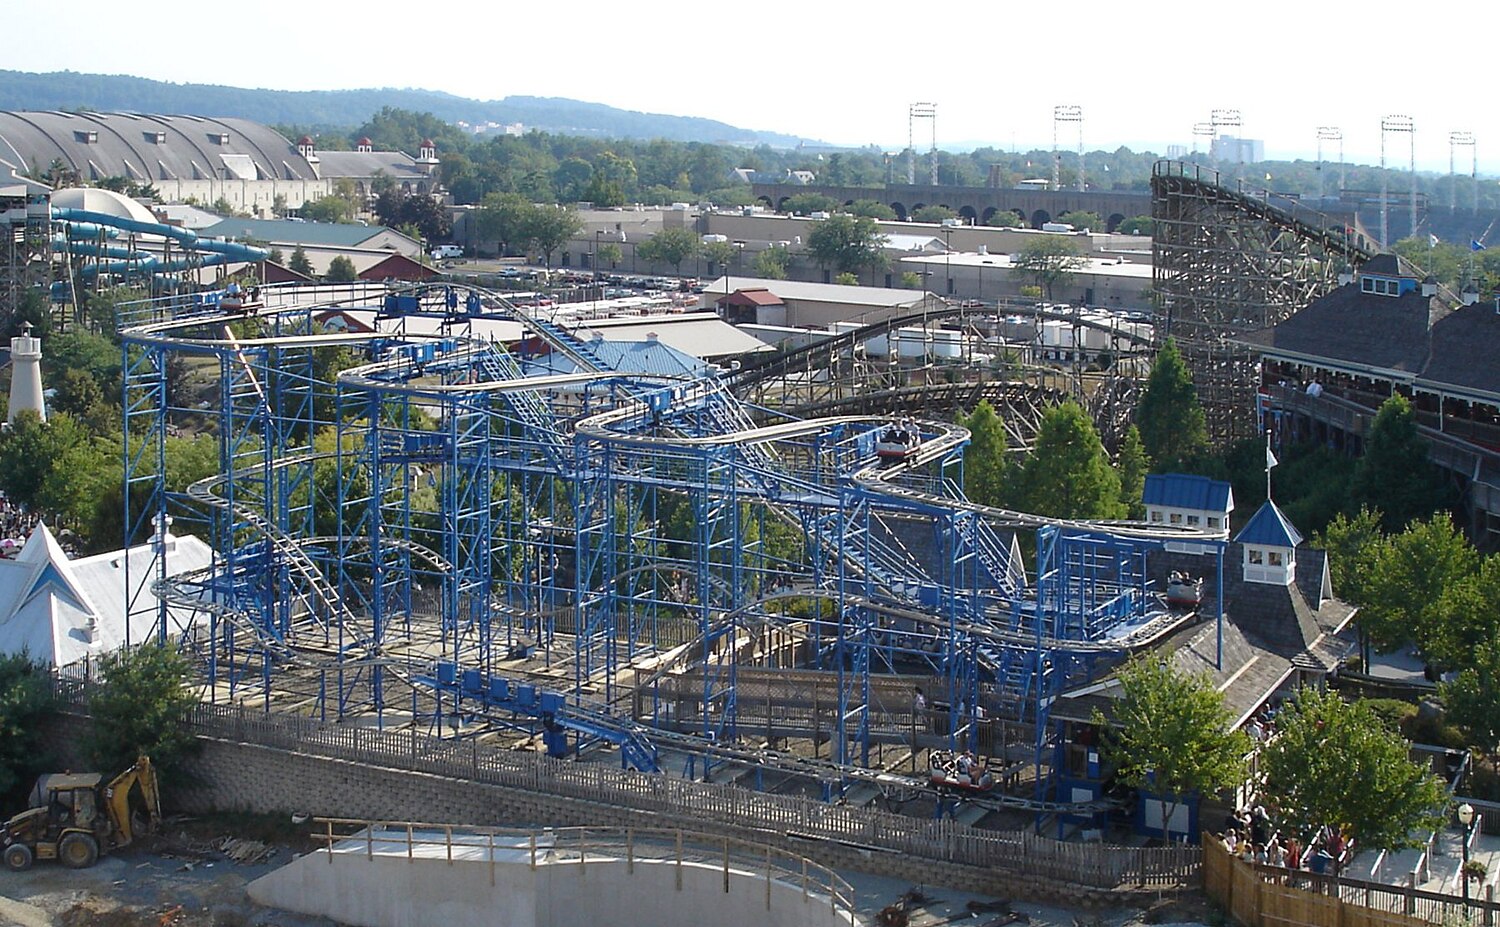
{"x": 1271, "y": 460}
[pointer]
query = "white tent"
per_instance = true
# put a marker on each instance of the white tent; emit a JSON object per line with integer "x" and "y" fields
{"x": 60, "y": 611}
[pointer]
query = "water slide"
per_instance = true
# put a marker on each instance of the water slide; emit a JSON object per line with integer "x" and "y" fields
{"x": 83, "y": 229}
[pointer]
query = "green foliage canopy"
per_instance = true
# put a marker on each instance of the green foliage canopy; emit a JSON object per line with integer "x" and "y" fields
{"x": 1170, "y": 733}
{"x": 1336, "y": 763}
{"x": 140, "y": 707}
{"x": 1171, "y": 421}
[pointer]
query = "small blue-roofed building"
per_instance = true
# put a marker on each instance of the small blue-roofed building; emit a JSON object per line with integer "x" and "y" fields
{"x": 1269, "y": 542}
{"x": 651, "y": 357}
{"x": 1190, "y": 502}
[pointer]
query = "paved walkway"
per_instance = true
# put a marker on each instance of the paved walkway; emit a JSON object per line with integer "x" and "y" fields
{"x": 1394, "y": 868}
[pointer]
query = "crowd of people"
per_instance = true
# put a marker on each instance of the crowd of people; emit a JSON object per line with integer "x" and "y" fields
{"x": 16, "y": 525}
{"x": 1251, "y": 835}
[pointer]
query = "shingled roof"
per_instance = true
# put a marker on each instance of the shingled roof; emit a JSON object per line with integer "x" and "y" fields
{"x": 1425, "y": 341}
{"x": 1385, "y": 335}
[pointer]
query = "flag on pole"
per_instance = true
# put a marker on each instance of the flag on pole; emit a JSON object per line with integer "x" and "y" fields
{"x": 1474, "y": 245}
{"x": 1432, "y": 240}
{"x": 1271, "y": 460}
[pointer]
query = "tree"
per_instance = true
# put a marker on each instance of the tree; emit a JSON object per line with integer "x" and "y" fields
{"x": 1352, "y": 544}
{"x": 341, "y": 270}
{"x": 502, "y": 219}
{"x": 847, "y": 243}
{"x": 1136, "y": 225}
{"x": 25, "y": 702}
{"x": 987, "y": 466}
{"x": 932, "y": 214}
{"x": 607, "y": 253}
{"x": 1335, "y": 763}
{"x": 1133, "y": 466}
{"x": 548, "y": 227}
{"x": 396, "y": 208}
{"x": 299, "y": 264}
{"x": 669, "y": 246}
{"x": 717, "y": 253}
{"x": 1473, "y": 699}
{"x": 1082, "y": 220}
{"x": 1005, "y": 219}
{"x": 142, "y": 707}
{"x": 1068, "y": 473}
{"x": 911, "y": 280}
{"x": 1410, "y": 574}
{"x": 1395, "y": 474}
{"x": 328, "y": 209}
{"x": 1170, "y": 418}
{"x": 846, "y": 279}
{"x": 1170, "y": 734}
{"x": 803, "y": 204}
{"x": 773, "y": 262}
{"x": 1467, "y": 615}
{"x": 1048, "y": 261}
{"x": 873, "y": 209}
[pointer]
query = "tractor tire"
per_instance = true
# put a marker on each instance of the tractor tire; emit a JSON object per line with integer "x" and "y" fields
{"x": 18, "y": 857}
{"x": 78, "y": 851}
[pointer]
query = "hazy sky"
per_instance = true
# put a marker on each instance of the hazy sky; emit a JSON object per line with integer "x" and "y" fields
{"x": 1144, "y": 74}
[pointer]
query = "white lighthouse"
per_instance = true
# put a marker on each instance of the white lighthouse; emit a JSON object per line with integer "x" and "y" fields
{"x": 25, "y": 375}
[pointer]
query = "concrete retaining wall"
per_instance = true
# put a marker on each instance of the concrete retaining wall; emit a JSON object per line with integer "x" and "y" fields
{"x": 235, "y": 776}
{"x": 388, "y": 890}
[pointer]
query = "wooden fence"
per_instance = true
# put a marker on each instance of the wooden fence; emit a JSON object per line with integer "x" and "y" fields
{"x": 1094, "y": 865}
{"x": 1257, "y": 895}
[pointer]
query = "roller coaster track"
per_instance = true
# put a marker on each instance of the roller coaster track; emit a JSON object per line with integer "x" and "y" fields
{"x": 757, "y": 371}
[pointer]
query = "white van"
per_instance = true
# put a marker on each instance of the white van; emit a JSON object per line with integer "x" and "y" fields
{"x": 443, "y": 252}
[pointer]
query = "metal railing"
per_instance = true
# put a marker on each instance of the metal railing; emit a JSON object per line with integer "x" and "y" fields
{"x": 716, "y": 807}
{"x": 573, "y": 845}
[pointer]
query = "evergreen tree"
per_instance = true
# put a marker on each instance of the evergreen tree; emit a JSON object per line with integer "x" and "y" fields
{"x": 987, "y": 469}
{"x": 1394, "y": 475}
{"x": 1133, "y": 467}
{"x": 1170, "y": 418}
{"x": 1068, "y": 474}
{"x": 298, "y": 263}
{"x": 341, "y": 270}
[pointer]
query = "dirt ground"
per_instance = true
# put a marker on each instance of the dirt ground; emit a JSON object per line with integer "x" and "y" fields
{"x": 186, "y": 877}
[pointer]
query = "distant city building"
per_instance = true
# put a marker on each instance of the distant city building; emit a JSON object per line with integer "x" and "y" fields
{"x": 1237, "y": 150}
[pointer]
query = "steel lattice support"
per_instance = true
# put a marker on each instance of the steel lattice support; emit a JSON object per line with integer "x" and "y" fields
{"x": 1229, "y": 261}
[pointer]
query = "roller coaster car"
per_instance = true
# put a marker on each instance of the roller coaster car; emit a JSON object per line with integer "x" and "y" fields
{"x": 1183, "y": 591}
{"x": 236, "y": 299}
{"x": 895, "y": 444}
{"x": 959, "y": 772}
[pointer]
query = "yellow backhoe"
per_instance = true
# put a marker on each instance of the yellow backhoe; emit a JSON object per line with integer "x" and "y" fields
{"x": 73, "y": 817}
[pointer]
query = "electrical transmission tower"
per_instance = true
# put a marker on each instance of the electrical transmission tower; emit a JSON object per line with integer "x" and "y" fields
{"x": 1061, "y": 115}
{"x": 1457, "y": 140}
{"x": 1330, "y": 134}
{"x": 914, "y": 112}
{"x": 1396, "y": 124}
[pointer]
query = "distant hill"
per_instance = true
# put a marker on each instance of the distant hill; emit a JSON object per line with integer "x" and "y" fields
{"x": 67, "y": 90}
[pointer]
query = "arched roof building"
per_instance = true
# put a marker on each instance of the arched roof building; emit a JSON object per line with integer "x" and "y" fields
{"x": 244, "y": 163}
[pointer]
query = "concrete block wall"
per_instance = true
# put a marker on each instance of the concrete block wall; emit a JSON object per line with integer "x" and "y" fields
{"x": 236, "y": 776}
